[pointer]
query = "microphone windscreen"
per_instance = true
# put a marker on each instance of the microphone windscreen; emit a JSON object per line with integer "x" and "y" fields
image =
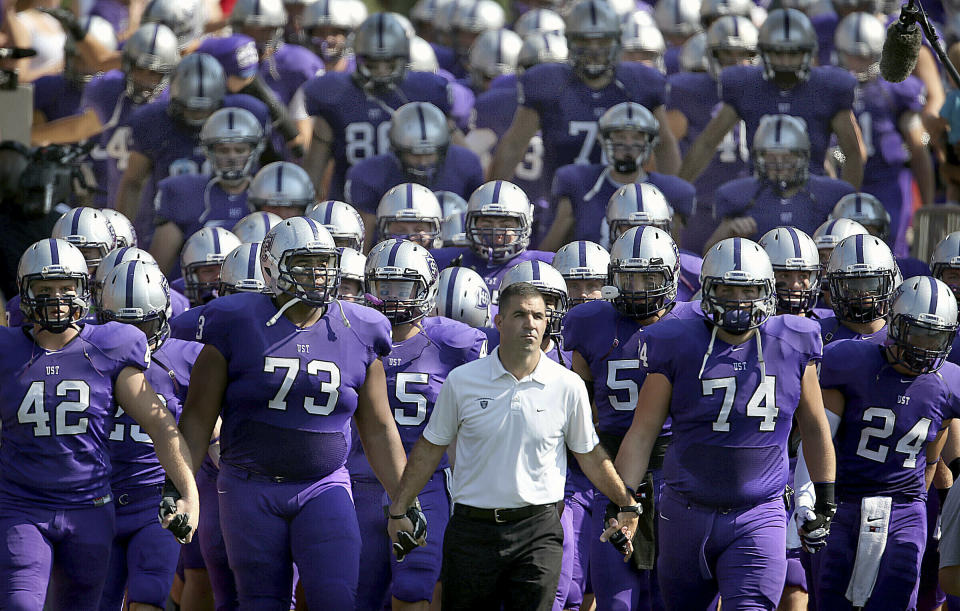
{"x": 900, "y": 51}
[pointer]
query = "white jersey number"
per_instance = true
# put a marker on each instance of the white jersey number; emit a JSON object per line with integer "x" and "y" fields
{"x": 363, "y": 140}
{"x": 762, "y": 403}
{"x": 291, "y": 367}
{"x": 404, "y": 396}
{"x": 589, "y": 141}
{"x": 136, "y": 434}
{"x": 615, "y": 383}
{"x": 32, "y": 409}
{"x": 910, "y": 444}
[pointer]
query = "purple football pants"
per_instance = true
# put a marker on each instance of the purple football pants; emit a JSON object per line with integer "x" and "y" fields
{"x": 738, "y": 553}
{"x": 267, "y": 526}
{"x": 578, "y": 510}
{"x": 210, "y": 536}
{"x": 144, "y": 555}
{"x": 67, "y": 549}
{"x": 382, "y": 576}
{"x": 899, "y": 571}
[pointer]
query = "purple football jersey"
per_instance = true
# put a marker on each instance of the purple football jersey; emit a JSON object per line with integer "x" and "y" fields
{"x": 446, "y": 57}
{"x": 369, "y": 179}
{"x": 671, "y": 59}
{"x": 462, "y": 100}
{"x": 359, "y": 121}
{"x": 58, "y": 413}
{"x": 806, "y": 210}
{"x": 569, "y": 110}
{"x": 291, "y": 392}
{"x": 131, "y": 450}
{"x": 589, "y": 187}
{"x": 492, "y": 273}
{"x": 56, "y": 97}
{"x": 195, "y": 201}
{"x": 416, "y": 369}
{"x": 730, "y": 431}
{"x": 185, "y": 326}
{"x": 697, "y": 97}
{"x": 610, "y": 342}
{"x": 825, "y": 25}
{"x": 105, "y": 95}
{"x": 174, "y": 148}
{"x": 178, "y": 303}
{"x": 688, "y": 282}
{"x": 831, "y": 330}
{"x": 236, "y": 53}
{"x": 817, "y": 100}
{"x": 288, "y": 68}
{"x": 888, "y": 419}
{"x": 911, "y": 266}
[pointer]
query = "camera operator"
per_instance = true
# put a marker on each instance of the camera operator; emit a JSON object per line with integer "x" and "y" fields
{"x": 32, "y": 189}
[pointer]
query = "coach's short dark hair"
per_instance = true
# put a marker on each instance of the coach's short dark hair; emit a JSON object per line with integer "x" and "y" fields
{"x": 520, "y": 290}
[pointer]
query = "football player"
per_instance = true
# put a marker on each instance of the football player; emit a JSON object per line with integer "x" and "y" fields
{"x": 796, "y": 268}
{"x": 200, "y": 260}
{"x": 300, "y": 379}
{"x": 463, "y": 295}
{"x": 327, "y": 26}
{"x": 342, "y": 221}
{"x": 583, "y": 266}
{"x": 350, "y": 111}
{"x": 551, "y": 97}
{"x": 401, "y": 282}
{"x": 254, "y": 226}
{"x": 786, "y": 83}
{"x": 722, "y": 508}
{"x": 283, "y": 189}
{"x": 352, "y": 270}
{"x": 143, "y": 557}
{"x": 232, "y": 140}
{"x": 604, "y": 337}
{"x": 410, "y": 212}
{"x": 783, "y": 192}
{"x": 58, "y": 511}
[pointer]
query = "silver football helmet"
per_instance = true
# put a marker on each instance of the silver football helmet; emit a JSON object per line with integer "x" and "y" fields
{"x": 499, "y": 220}
{"x": 866, "y": 210}
{"x": 693, "y": 55}
{"x": 410, "y": 203}
{"x": 643, "y": 43}
{"x": 644, "y": 272}
{"x": 342, "y": 221}
{"x": 464, "y": 296}
{"x": 539, "y": 21}
{"x": 638, "y": 204}
{"x": 946, "y": 255}
{"x": 96, "y": 28}
{"x": 593, "y": 20}
{"x": 451, "y": 203}
{"x": 787, "y": 30}
{"x": 53, "y": 259}
{"x": 254, "y": 226}
{"x": 423, "y": 12}
{"x": 860, "y": 36}
{"x": 737, "y": 262}
{"x": 795, "y": 261}
{"x": 281, "y": 184}
{"x": 122, "y": 227}
{"x": 262, "y": 20}
{"x": 781, "y": 151}
{"x": 232, "y": 126}
{"x": 831, "y": 233}
{"x": 422, "y": 57}
{"x": 730, "y": 40}
{"x": 315, "y": 284}
{"x": 472, "y": 19}
{"x": 241, "y": 272}
{"x": 152, "y": 47}
{"x": 401, "y": 280}
{"x": 711, "y": 10}
{"x": 352, "y": 269}
{"x": 197, "y": 89}
{"x": 137, "y": 293}
{"x": 542, "y": 49}
{"x": 322, "y": 17}
{"x": 419, "y": 128}
{"x": 183, "y": 17}
{"x": 452, "y": 231}
{"x": 678, "y": 19}
{"x": 580, "y": 263}
{"x": 627, "y": 157}
{"x": 493, "y": 53}
{"x": 381, "y": 37}
{"x": 200, "y": 260}
{"x": 89, "y": 230}
{"x": 550, "y": 284}
{"x": 113, "y": 259}
{"x": 923, "y": 324}
{"x": 862, "y": 276}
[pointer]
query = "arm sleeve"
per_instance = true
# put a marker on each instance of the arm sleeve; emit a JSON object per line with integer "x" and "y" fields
{"x": 442, "y": 427}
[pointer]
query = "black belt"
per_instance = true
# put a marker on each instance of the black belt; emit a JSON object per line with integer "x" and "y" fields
{"x": 611, "y": 443}
{"x": 501, "y": 516}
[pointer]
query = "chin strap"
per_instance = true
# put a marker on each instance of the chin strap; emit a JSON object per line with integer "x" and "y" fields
{"x": 273, "y": 319}
{"x": 763, "y": 366}
{"x": 713, "y": 337}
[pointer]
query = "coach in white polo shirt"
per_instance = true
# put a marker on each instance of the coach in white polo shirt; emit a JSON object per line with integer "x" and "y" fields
{"x": 513, "y": 414}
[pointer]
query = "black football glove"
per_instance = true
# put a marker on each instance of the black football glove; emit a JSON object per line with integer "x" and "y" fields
{"x": 815, "y": 525}
{"x": 180, "y": 526}
{"x": 618, "y": 539}
{"x": 409, "y": 541}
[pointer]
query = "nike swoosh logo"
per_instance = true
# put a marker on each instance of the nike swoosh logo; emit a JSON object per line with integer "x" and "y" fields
{"x": 872, "y": 520}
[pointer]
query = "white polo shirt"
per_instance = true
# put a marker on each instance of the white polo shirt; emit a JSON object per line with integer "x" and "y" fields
{"x": 511, "y": 434}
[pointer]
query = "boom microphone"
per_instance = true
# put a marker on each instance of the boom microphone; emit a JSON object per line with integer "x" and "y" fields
{"x": 16, "y": 53}
{"x": 901, "y": 49}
